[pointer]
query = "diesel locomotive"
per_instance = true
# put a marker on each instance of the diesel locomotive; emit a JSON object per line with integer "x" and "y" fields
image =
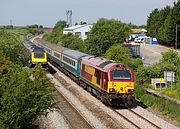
{"x": 110, "y": 81}
{"x": 37, "y": 55}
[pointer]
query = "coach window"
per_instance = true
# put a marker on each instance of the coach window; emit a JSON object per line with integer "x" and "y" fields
{"x": 56, "y": 55}
{"x": 98, "y": 76}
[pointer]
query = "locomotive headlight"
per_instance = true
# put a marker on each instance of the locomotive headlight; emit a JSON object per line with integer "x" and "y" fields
{"x": 130, "y": 90}
{"x": 111, "y": 90}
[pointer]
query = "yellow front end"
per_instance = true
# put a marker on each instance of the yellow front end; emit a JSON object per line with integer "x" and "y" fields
{"x": 121, "y": 88}
{"x": 38, "y": 60}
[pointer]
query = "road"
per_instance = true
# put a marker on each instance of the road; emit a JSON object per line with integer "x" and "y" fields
{"x": 152, "y": 53}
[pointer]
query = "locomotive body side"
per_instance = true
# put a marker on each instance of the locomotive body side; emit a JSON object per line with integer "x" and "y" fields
{"x": 112, "y": 82}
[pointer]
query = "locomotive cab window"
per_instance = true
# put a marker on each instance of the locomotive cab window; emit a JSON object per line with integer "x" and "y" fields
{"x": 38, "y": 55}
{"x": 121, "y": 75}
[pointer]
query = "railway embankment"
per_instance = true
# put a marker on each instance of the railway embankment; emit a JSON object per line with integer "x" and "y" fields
{"x": 155, "y": 93}
{"x": 164, "y": 108}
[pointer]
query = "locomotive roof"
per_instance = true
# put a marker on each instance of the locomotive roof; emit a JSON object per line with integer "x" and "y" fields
{"x": 74, "y": 54}
{"x": 38, "y": 50}
{"x": 101, "y": 63}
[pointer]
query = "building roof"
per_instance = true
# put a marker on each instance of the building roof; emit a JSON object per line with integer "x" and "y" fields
{"x": 75, "y": 27}
{"x": 137, "y": 31}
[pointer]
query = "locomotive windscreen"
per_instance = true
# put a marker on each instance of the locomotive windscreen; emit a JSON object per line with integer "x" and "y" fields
{"x": 38, "y": 55}
{"x": 121, "y": 75}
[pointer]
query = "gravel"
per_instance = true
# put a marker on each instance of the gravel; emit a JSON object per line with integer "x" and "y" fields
{"x": 87, "y": 114}
{"x": 153, "y": 118}
{"x": 53, "y": 120}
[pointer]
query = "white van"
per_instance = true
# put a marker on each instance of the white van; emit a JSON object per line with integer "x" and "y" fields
{"x": 139, "y": 40}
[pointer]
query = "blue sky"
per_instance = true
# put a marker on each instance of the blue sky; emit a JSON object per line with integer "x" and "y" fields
{"x": 48, "y": 12}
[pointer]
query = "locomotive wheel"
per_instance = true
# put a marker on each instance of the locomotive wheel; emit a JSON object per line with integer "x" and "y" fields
{"x": 104, "y": 100}
{"x": 130, "y": 101}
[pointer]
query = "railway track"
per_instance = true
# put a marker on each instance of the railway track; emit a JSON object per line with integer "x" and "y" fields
{"x": 145, "y": 123}
{"x": 72, "y": 116}
{"x": 84, "y": 124}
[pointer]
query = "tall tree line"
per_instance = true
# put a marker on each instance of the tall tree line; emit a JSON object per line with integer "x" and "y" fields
{"x": 164, "y": 24}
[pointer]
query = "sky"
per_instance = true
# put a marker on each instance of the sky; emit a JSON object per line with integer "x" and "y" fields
{"x": 48, "y": 12}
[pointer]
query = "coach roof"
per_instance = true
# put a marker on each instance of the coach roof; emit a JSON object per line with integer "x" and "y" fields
{"x": 74, "y": 54}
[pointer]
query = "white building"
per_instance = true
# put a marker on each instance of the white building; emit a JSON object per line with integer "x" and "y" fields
{"x": 81, "y": 30}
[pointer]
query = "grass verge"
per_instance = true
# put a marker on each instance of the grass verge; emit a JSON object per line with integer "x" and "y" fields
{"x": 166, "y": 107}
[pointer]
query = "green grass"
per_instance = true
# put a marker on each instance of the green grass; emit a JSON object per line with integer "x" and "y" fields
{"x": 19, "y": 30}
{"x": 166, "y": 107}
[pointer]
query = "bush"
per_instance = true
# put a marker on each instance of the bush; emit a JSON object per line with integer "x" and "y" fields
{"x": 73, "y": 42}
{"x": 21, "y": 98}
{"x": 166, "y": 107}
{"x": 12, "y": 47}
{"x": 119, "y": 53}
{"x": 27, "y": 93}
{"x": 170, "y": 62}
{"x": 104, "y": 34}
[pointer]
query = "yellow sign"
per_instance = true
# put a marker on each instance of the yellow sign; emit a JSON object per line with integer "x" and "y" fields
{"x": 161, "y": 79}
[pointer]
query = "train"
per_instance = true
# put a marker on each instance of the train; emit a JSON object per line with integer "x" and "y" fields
{"x": 110, "y": 81}
{"x": 37, "y": 55}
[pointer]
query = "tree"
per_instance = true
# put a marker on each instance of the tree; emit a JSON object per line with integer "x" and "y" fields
{"x": 170, "y": 62}
{"x": 73, "y": 42}
{"x": 60, "y": 25}
{"x": 27, "y": 94}
{"x": 104, "y": 34}
{"x": 176, "y": 15}
{"x": 166, "y": 31}
{"x": 12, "y": 47}
{"x": 55, "y": 36}
{"x": 123, "y": 55}
{"x": 118, "y": 53}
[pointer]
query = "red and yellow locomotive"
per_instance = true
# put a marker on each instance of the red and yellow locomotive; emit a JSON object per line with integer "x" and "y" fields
{"x": 112, "y": 82}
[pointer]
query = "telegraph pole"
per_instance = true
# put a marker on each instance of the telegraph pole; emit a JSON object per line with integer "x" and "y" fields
{"x": 69, "y": 17}
{"x": 176, "y": 40}
{"x": 176, "y": 44}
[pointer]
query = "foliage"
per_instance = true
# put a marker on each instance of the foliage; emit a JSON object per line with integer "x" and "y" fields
{"x": 18, "y": 30}
{"x": 118, "y": 53}
{"x": 122, "y": 54}
{"x": 5, "y": 68}
{"x": 166, "y": 107}
{"x": 12, "y": 47}
{"x": 54, "y": 37}
{"x": 60, "y": 25}
{"x": 35, "y": 29}
{"x": 104, "y": 34}
{"x": 136, "y": 64}
{"x": 27, "y": 93}
{"x": 162, "y": 24}
{"x": 72, "y": 42}
{"x": 170, "y": 62}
